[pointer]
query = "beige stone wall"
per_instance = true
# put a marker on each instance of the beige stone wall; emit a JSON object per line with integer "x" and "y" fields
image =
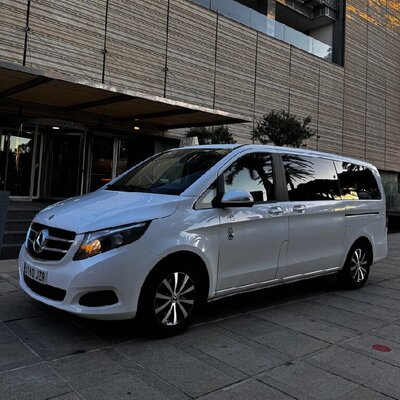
{"x": 185, "y": 52}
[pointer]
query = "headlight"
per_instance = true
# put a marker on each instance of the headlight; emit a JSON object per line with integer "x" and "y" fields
{"x": 101, "y": 241}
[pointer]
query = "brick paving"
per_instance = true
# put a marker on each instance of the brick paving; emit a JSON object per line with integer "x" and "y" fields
{"x": 308, "y": 340}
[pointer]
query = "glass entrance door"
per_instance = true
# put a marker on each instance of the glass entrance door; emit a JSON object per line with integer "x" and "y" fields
{"x": 62, "y": 164}
{"x": 102, "y": 157}
{"x": 17, "y": 155}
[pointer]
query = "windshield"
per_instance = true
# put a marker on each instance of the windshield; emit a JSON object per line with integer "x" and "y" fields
{"x": 171, "y": 172}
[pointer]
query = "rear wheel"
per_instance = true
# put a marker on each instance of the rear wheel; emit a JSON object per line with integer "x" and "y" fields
{"x": 356, "y": 269}
{"x": 169, "y": 299}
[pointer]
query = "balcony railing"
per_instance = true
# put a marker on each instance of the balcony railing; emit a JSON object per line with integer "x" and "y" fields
{"x": 261, "y": 23}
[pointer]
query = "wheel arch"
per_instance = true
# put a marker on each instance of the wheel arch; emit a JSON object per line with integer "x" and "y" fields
{"x": 366, "y": 242}
{"x": 189, "y": 256}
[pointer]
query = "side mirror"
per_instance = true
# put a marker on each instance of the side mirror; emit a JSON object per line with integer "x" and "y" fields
{"x": 236, "y": 198}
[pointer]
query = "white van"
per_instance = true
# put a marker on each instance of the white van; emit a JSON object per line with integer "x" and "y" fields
{"x": 199, "y": 223}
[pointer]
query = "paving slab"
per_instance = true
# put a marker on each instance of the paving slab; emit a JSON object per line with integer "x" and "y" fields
{"x": 387, "y": 384}
{"x": 97, "y": 376}
{"x": 370, "y": 298}
{"x": 311, "y": 326}
{"x": 382, "y": 291}
{"x": 308, "y": 382}
{"x": 362, "y": 393}
{"x": 368, "y": 310}
{"x": 68, "y": 396}
{"x": 364, "y": 344}
{"x": 288, "y": 343}
{"x": 52, "y": 336}
{"x": 6, "y": 286}
{"x": 349, "y": 364}
{"x": 346, "y": 319}
{"x": 38, "y": 382}
{"x": 249, "y": 390}
{"x": 390, "y": 332}
{"x": 15, "y": 354}
{"x": 390, "y": 284}
{"x": 16, "y": 306}
{"x": 5, "y": 334}
{"x": 234, "y": 350}
{"x": 8, "y": 266}
{"x": 184, "y": 371}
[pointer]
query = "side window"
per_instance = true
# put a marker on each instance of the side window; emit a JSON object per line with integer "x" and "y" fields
{"x": 310, "y": 178}
{"x": 204, "y": 201}
{"x": 253, "y": 173}
{"x": 357, "y": 182}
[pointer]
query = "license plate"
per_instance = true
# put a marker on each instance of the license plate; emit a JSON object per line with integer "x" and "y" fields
{"x": 35, "y": 273}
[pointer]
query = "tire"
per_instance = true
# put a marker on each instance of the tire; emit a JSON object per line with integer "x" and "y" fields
{"x": 355, "y": 271}
{"x": 169, "y": 298}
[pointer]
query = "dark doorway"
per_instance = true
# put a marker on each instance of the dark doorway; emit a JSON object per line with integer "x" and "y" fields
{"x": 62, "y": 164}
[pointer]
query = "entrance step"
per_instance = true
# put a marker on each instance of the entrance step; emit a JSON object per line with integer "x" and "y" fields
{"x": 18, "y": 224}
{"x": 14, "y": 237}
{"x": 19, "y": 217}
{"x": 13, "y": 214}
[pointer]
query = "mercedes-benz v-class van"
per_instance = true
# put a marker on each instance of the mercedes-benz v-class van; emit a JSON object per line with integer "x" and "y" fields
{"x": 199, "y": 223}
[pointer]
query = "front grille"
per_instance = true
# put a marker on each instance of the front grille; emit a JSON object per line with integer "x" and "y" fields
{"x": 56, "y": 245}
{"x": 48, "y": 291}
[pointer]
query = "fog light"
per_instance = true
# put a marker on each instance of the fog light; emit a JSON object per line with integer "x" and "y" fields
{"x": 98, "y": 299}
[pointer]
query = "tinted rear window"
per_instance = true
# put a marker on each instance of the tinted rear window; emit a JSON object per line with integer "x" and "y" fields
{"x": 310, "y": 178}
{"x": 357, "y": 182}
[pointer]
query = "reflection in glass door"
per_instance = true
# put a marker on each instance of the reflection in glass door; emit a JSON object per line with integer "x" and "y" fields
{"x": 62, "y": 164}
{"x": 16, "y": 160}
{"x": 101, "y": 168}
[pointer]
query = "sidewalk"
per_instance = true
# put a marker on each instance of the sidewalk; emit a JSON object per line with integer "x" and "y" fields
{"x": 308, "y": 340}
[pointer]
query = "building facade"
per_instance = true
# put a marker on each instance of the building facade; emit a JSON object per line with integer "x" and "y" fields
{"x": 88, "y": 89}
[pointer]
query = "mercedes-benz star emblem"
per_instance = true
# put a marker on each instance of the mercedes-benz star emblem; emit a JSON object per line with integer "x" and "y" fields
{"x": 40, "y": 240}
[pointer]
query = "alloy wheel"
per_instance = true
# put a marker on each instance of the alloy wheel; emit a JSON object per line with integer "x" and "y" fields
{"x": 358, "y": 265}
{"x": 174, "y": 298}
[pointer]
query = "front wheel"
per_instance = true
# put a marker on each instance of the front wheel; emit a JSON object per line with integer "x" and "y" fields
{"x": 169, "y": 298}
{"x": 356, "y": 269}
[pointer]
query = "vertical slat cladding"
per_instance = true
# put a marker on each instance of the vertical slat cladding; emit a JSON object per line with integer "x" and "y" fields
{"x": 330, "y": 118}
{"x": 354, "y": 119}
{"x": 136, "y": 43}
{"x": 12, "y": 30}
{"x": 235, "y": 67}
{"x": 272, "y": 90}
{"x": 304, "y": 77}
{"x": 67, "y": 36}
{"x": 376, "y": 76}
{"x": 191, "y": 53}
{"x": 392, "y": 58}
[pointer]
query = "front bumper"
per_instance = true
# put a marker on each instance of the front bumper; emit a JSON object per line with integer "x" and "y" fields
{"x": 122, "y": 270}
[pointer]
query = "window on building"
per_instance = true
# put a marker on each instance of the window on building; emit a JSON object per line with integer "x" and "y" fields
{"x": 315, "y": 26}
{"x": 357, "y": 182}
{"x": 310, "y": 178}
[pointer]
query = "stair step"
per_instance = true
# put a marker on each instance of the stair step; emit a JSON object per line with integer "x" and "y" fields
{"x": 9, "y": 251}
{"x": 17, "y": 225}
{"x": 21, "y": 214}
{"x": 14, "y": 237}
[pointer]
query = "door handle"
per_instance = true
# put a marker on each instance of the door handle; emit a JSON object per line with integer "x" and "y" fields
{"x": 299, "y": 209}
{"x": 275, "y": 210}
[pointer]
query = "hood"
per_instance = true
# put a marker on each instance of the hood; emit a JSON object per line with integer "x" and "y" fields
{"x": 105, "y": 208}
